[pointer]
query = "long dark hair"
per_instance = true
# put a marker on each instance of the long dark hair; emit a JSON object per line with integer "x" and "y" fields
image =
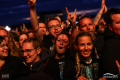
{"x": 67, "y": 52}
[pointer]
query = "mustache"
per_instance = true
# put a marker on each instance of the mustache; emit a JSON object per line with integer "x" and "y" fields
{"x": 89, "y": 31}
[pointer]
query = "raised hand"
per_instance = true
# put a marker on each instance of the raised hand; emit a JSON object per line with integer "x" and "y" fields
{"x": 98, "y": 16}
{"x": 71, "y": 16}
{"x": 105, "y": 9}
{"x": 82, "y": 14}
{"x": 103, "y": 4}
{"x": 31, "y": 3}
{"x": 81, "y": 78}
{"x": 118, "y": 65}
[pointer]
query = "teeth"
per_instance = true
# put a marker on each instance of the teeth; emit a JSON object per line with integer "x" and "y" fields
{"x": 5, "y": 51}
{"x": 86, "y": 52}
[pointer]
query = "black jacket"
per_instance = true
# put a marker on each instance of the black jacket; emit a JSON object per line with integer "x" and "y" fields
{"x": 111, "y": 52}
{"x": 12, "y": 69}
{"x": 35, "y": 69}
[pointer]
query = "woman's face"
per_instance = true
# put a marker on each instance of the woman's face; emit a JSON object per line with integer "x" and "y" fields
{"x": 3, "y": 49}
{"x": 22, "y": 38}
{"x": 84, "y": 46}
{"x": 62, "y": 43}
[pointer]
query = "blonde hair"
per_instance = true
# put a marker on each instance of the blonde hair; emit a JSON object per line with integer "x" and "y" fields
{"x": 14, "y": 51}
{"x": 78, "y": 64}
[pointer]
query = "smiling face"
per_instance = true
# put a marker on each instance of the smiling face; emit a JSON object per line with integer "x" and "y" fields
{"x": 54, "y": 31}
{"x": 30, "y": 54}
{"x": 84, "y": 46}
{"x": 86, "y": 24}
{"x": 62, "y": 43}
{"x": 3, "y": 49}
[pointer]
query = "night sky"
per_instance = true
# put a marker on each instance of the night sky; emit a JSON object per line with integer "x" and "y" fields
{"x": 13, "y": 12}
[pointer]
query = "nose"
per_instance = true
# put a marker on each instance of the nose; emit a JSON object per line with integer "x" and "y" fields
{"x": 86, "y": 47}
{"x": 55, "y": 27}
{"x": 61, "y": 42}
{"x": 24, "y": 54}
{"x": 88, "y": 27}
{"x": 6, "y": 47}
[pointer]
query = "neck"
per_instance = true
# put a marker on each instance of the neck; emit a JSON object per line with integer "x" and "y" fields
{"x": 52, "y": 38}
{"x": 2, "y": 62}
{"x": 59, "y": 56}
{"x": 85, "y": 58}
{"x": 37, "y": 59}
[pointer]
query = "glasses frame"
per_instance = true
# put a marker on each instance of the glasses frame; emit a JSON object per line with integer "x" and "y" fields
{"x": 53, "y": 26}
{"x": 28, "y": 53}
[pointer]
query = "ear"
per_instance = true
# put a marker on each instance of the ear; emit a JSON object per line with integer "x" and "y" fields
{"x": 76, "y": 46}
{"x": 38, "y": 50}
{"x": 110, "y": 27}
{"x": 68, "y": 46}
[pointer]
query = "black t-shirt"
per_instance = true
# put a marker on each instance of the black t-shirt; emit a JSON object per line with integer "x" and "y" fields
{"x": 47, "y": 43}
{"x": 55, "y": 67}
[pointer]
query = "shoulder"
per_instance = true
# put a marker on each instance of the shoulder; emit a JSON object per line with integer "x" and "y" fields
{"x": 13, "y": 59}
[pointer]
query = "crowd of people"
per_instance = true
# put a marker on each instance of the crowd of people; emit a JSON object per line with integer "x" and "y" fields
{"x": 53, "y": 50}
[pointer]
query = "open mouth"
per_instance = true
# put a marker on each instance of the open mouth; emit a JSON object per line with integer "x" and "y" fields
{"x": 60, "y": 47}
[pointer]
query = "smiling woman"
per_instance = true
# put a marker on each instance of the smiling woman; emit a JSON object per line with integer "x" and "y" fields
{"x": 85, "y": 67}
{"x": 11, "y": 67}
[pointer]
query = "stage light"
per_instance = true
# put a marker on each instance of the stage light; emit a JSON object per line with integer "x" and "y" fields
{"x": 7, "y": 28}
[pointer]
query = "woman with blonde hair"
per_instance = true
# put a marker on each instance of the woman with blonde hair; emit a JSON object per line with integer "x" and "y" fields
{"x": 85, "y": 66}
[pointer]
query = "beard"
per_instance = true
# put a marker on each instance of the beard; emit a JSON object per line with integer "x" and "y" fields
{"x": 92, "y": 33}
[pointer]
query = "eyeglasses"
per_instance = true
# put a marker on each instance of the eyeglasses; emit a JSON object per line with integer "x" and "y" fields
{"x": 53, "y": 26}
{"x": 27, "y": 51}
{"x": 3, "y": 45}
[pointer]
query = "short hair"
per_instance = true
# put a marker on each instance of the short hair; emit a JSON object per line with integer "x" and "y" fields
{"x": 30, "y": 32}
{"x": 52, "y": 18}
{"x": 85, "y": 16}
{"x": 42, "y": 22}
{"x": 21, "y": 33}
{"x": 1, "y": 39}
{"x": 109, "y": 13}
{"x": 35, "y": 42}
{"x": 82, "y": 34}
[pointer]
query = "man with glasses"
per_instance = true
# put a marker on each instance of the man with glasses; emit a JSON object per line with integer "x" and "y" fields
{"x": 53, "y": 26}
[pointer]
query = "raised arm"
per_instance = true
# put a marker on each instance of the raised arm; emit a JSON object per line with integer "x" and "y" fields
{"x": 98, "y": 16}
{"x": 71, "y": 17}
{"x": 34, "y": 20}
{"x": 118, "y": 65}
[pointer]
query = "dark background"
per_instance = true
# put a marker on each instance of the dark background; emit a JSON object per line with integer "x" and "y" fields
{"x": 15, "y": 12}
